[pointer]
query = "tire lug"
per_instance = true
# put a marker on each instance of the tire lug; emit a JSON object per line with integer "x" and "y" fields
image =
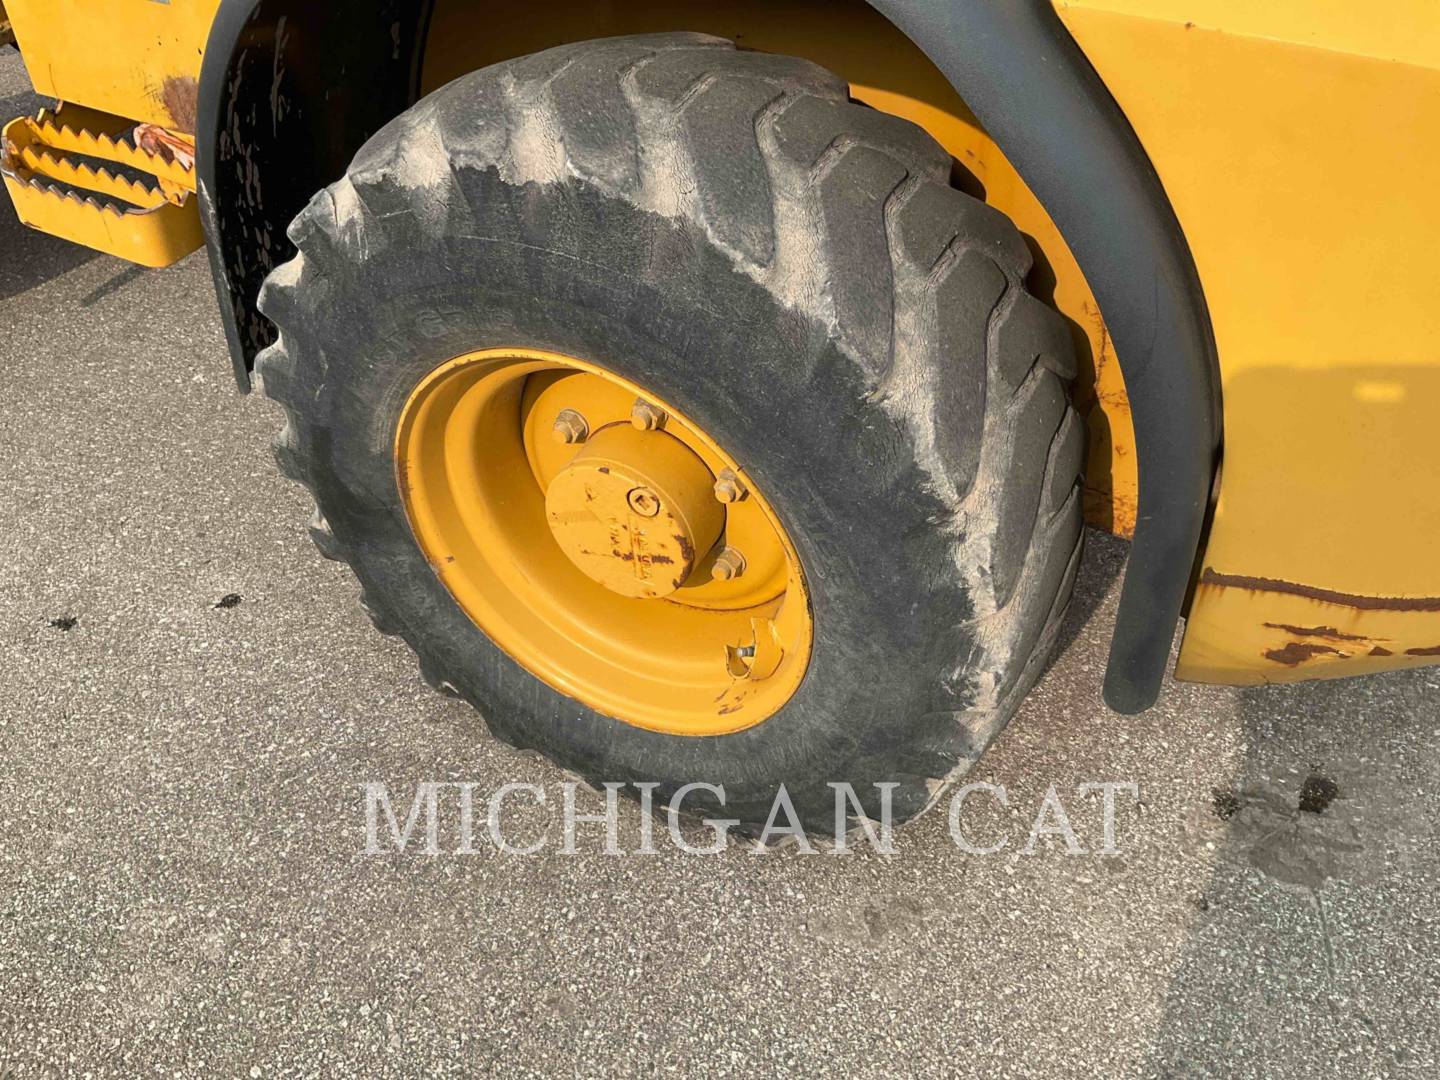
{"x": 570, "y": 427}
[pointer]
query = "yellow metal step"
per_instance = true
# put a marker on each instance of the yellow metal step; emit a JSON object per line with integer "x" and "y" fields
{"x": 99, "y": 135}
{"x": 69, "y": 170}
{"x": 54, "y": 165}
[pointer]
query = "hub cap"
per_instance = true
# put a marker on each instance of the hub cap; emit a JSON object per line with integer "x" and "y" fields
{"x": 633, "y": 510}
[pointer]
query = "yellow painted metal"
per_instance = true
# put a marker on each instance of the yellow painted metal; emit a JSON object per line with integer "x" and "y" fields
{"x": 886, "y": 71}
{"x": 1398, "y": 30}
{"x": 1300, "y": 146}
{"x": 634, "y": 510}
{"x": 606, "y": 400}
{"x": 77, "y": 173}
{"x": 1289, "y": 637}
{"x": 75, "y": 129}
{"x": 7, "y": 34}
{"x": 53, "y": 169}
{"x": 135, "y": 58}
{"x": 478, "y": 468}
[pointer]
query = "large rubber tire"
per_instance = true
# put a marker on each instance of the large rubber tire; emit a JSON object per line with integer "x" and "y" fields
{"x": 796, "y": 274}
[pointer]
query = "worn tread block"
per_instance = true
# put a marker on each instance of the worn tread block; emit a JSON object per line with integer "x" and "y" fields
{"x": 455, "y": 108}
{"x": 596, "y": 124}
{"x": 276, "y": 371}
{"x": 323, "y": 539}
{"x": 730, "y": 170}
{"x": 418, "y": 162}
{"x": 1034, "y": 333}
{"x": 811, "y": 125}
{"x": 1044, "y": 595}
{"x": 964, "y": 299}
{"x": 1067, "y": 460}
{"x": 1037, "y": 415}
{"x": 853, "y": 194}
{"x": 938, "y": 216}
{"x": 673, "y": 74}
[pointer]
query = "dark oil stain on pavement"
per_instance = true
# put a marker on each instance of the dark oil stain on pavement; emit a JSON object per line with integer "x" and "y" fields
{"x": 1318, "y": 793}
{"x": 1289, "y": 835}
{"x": 1225, "y": 804}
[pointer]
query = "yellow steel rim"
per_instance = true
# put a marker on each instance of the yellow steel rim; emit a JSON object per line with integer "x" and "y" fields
{"x": 604, "y": 541}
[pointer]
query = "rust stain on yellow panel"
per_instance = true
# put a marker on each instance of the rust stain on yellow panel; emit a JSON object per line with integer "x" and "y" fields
{"x": 134, "y": 58}
{"x": 1300, "y": 146}
{"x": 1263, "y": 630}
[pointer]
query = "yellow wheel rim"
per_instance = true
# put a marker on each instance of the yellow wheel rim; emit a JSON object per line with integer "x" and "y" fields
{"x": 604, "y": 541}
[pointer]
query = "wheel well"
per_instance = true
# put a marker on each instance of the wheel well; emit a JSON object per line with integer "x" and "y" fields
{"x": 887, "y": 70}
{"x": 289, "y": 91}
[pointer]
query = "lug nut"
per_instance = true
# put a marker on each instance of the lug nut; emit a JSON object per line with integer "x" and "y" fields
{"x": 647, "y": 417}
{"x": 570, "y": 427}
{"x": 729, "y": 488}
{"x": 729, "y": 565}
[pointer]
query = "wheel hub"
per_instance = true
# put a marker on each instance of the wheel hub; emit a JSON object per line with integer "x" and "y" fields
{"x": 604, "y": 541}
{"x": 635, "y": 510}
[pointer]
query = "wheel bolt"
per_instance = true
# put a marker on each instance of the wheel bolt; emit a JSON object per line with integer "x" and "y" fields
{"x": 647, "y": 417}
{"x": 729, "y": 565}
{"x": 729, "y": 488}
{"x": 570, "y": 427}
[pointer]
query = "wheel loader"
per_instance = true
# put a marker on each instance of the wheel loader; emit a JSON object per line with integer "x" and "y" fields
{"x": 717, "y": 391}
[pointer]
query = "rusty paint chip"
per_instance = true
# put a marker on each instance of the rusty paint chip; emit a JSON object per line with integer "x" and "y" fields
{"x": 166, "y": 145}
{"x": 1325, "y": 596}
{"x": 179, "y": 94}
{"x": 1316, "y": 631}
{"x": 1297, "y": 652}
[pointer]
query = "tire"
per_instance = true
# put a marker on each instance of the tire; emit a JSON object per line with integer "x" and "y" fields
{"x": 796, "y": 273}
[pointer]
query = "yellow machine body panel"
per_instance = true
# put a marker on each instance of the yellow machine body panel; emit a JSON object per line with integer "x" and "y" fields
{"x": 135, "y": 58}
{"x": 121, "y": 67}
{"x": 1300, "y": 146}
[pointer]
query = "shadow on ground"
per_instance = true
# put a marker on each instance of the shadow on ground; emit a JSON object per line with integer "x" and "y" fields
{"x": 1102, "y": 564}
{"x": 1314, "y": 859}
{"x": 29, "y": 258}
{"x": 1323, "y": 837}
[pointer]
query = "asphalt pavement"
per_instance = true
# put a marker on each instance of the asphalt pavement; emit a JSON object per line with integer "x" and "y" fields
{"x": 191, "y": 701}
